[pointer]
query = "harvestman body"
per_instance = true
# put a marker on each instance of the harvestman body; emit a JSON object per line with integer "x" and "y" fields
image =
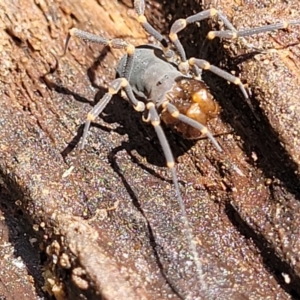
{"x": 173, "y": 93}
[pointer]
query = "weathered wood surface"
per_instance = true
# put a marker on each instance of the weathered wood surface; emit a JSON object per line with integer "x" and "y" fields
{"x": 107, "y": 217}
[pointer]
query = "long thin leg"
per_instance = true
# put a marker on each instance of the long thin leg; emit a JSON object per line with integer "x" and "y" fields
{"x": 232, "y": 33}
{"x": 229, "y": 34}
{"x": 155, "y": 121}
{"x": 112, "y": 43}
{"x": 139, "y": 6}
{"x": 115, "y": 86}
{"x": 180, "y": 24}
{"x": 205, "y": 65}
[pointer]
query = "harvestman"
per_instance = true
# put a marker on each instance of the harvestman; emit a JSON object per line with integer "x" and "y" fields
{"x": 173, "y": 93}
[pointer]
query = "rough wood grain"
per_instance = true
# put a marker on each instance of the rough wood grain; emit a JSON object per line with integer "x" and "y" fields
{"x": 107, "y": 219}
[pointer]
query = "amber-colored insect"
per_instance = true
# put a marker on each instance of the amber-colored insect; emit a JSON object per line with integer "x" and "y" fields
{"x": 171, "y": 92}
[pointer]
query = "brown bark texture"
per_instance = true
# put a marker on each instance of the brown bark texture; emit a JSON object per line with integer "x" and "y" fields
{"x": 104, "y": 223}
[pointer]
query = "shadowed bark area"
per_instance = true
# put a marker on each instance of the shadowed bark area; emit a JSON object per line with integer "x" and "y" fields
{"x": 104, "y": 223}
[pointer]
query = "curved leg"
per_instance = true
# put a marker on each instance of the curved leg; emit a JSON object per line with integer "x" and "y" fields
{"x": 139, "y": 6}
{"x": 232, "y": 33}
{"x": 112, "y": 43}
{"x": 115, "y": 86}
{"x": 180, "y": 24}
{"x": 205, "y": 65}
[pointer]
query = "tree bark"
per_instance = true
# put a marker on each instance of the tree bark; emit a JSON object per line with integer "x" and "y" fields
{"x": 103, "y": 223}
